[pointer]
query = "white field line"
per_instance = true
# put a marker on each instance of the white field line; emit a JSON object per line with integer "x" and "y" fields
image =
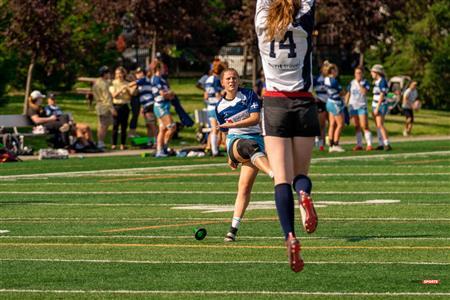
{"x": 243, "y": 237}
{"x": 209, "y": 193}
{"x": 197, "y": 166}
{"x": 76, "y": 219}
{"x": 230, "y": 262}
{"x": 227, "y": 292}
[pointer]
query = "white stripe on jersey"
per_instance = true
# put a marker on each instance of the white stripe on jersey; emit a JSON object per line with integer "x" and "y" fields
{"x": 286, "y": 61}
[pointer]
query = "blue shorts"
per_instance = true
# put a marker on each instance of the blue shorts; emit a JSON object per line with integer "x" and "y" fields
{"x": 335, "y": 107}
{"x": 357, "y": 111}
{"x": 382, "y": 110}
{"x": 212, "y": 114}
{"x": 161, "y": 109}
{"x": 254, "y": 137}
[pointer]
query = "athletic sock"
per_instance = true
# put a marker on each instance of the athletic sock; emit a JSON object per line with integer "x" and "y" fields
{"x": 236, "y": 222}
{"x": 380, "y": 137}
{"x": 331, "y": 143}
{"x": 386, "y": 142}
{"x": 271, "y": 175}
{"x": 214, "y": 147}
{"x": 368, "y": 137}
{"x": 302, "y": 183}
{"x": 359, "y": 138}
{"x": 284, "y": 202}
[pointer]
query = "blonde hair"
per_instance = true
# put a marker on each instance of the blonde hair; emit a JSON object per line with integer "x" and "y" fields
{"x": 281, "y": 14}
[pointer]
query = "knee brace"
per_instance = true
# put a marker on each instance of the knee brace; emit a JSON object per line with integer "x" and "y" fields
{"x": 247, "y": 149}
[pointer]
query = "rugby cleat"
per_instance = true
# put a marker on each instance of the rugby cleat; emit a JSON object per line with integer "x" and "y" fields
{"x": 293, "y": 251}
{"x": 230, "y": 237}
{"x": 308, "y": 213}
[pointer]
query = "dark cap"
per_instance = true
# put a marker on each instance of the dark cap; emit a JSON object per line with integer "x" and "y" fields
{"x": 51, "y": 96}
{"x": 103, "y": 70}
{"x": 139, "y": 70}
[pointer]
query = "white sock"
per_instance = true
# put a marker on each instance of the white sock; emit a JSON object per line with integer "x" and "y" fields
{"x": 386, "y": 142}
{"x": 379, "y": 136}
{"x": 368, "y": 137}
{"x": 214, "y": 147}
{"x": 236, "y": 222}
{"x": 359, "y": 138}
{"x": 271, "y": 174}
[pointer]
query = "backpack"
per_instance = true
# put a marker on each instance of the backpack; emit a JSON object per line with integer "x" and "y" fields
{"x": 6, "y": 156}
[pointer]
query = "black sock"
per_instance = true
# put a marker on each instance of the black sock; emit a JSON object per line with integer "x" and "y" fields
{"x": 336, "y": 143}
{"x": 331, "y": 143}
{"x": 284, "y": 202}
{"x": 302, "y": 183}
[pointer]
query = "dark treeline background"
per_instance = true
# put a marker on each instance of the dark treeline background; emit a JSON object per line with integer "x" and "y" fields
{"x": 53, "y": 42}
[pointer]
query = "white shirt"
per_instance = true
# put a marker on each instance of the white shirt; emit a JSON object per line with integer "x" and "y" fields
{"x": 411, "y": 95}
{"x": 287, "y": 63}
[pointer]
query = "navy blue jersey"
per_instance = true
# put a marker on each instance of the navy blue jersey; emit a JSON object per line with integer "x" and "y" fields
{"x": 320, "y": 88}
{"x": 380, "y": 87}
{"x": 239, "y": 108}
{"x": 158, "y": 84}
{"x": 146, "y": 97}
{"x": 52, "y": 110}
{"x": 212, "y": 87}
{"x": 333, "y": 89}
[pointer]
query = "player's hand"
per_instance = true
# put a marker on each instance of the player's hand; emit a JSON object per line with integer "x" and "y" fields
{"x": 232, "y": 164}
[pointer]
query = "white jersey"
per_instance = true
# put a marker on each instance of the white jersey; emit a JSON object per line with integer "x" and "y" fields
{"x": 357, "y": 99}
{"x": 287, "y": 63}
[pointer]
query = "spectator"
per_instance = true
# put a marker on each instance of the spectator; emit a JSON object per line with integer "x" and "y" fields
{"x": 80, "y": 131}
{"x": 408, "y": 105}
{"x": 147, "y": 101}
{"x": 379, "y": 106}
{"x": 121, "y": 95}
{"x": 356, "y": 99}
{"x": 135, "y": 106}
{"x": 103, "y": 105}
{"x": 55, "y": 125}
{"x": 335, "y": 108}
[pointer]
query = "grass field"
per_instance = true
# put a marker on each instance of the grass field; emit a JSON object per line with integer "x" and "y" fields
{"x": 122, "y": 227}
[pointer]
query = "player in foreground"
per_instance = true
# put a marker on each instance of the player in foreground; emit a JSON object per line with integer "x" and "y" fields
{"x": 238, "y": 114}
{"x": 290, "y": 123}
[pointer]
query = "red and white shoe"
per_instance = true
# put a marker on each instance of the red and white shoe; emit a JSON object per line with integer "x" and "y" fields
{"x": 308, "y": 213}
{"x": 293, "y": 250}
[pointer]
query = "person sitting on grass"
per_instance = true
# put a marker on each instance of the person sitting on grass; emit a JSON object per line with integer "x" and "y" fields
{"x": 238, "y": 114}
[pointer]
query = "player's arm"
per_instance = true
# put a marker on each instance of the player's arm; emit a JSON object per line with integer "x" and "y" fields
{"x": 253, "y": 119}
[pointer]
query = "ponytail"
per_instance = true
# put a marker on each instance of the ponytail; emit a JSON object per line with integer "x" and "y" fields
{"x": 281, "y": 14}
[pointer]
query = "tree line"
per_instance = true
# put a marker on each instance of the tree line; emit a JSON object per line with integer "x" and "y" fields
{"x": 58, "y": 40}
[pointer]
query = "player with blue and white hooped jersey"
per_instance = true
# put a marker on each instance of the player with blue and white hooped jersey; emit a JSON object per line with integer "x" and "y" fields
{"x": 379, "y": 106}
{"x": 147, "y": 102}
{"x": 320, "y": 91}
{"x": 238, "y": 114}
{"x": 162, "y": 95}
{"x": 335, "y": 107}
{"x": 356, "y": 98}
{"x": 212, "y": 96}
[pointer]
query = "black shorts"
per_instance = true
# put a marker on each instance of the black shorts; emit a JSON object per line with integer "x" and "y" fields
{"x": 290, "y": 117}
{"x": 409, "y": 114}
{"x": 148, "y": 108}
{"x": 321, "y": 106}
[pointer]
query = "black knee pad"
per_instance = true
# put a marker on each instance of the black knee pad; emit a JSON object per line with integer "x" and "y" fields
{"x": 247, "y": 148}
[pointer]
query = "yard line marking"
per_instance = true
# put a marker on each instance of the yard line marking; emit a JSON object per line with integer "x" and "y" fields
{"x": 164, "y": 226}
{"x": 242, "y": 237}
{"x": 210, "y": 193}
{"x": 223, "y": 262}
{"x": 227, "y": 292}
{"x": 196, "y": 166}
{"x": 224, "y": 246}
{"x": 203, "y": 220}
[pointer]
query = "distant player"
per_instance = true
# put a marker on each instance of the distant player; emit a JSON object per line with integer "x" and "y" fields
{"x": 356, "y": 99}
{"x": 238, "y": 114}
{"x": 162, "y": 96}
{"x": 321, "y": 99}
{"x": 335, "y": 107}
{"x": 212, "y": 96}
{"x": 290, "y": 123}
{"x": 147, "y": 102}
{"x": 379, "y": 106}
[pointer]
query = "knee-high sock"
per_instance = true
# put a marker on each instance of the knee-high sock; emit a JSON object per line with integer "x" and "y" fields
{"x": 214, "y": 146}
{"x": 284, "y": 202}
{"x": 380, "y": 137}
{"x": 368, "y": 137}
{"x": 359, "y": 138}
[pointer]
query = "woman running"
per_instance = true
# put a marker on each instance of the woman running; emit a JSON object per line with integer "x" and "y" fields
{"x": 356, "y": 99}
{"x": 379, "y": 106}
{"x": 238, "y": 114}
{"x": 290, "y": 123}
